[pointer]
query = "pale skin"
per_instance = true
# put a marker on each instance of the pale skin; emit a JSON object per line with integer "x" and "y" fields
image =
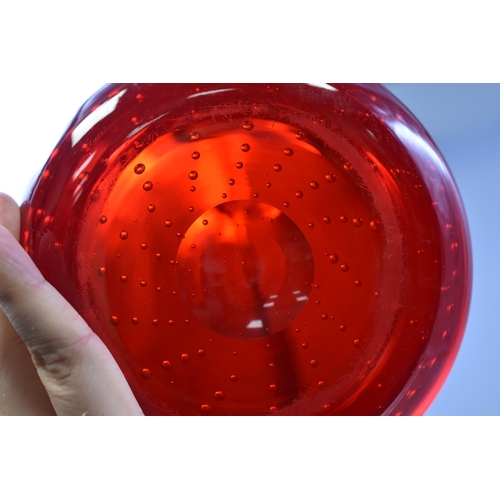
{"x": 51, "y": 362}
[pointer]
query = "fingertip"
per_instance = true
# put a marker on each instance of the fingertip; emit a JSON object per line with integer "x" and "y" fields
{"x": 10, "y": 215}
{"x": 18, "y": 273}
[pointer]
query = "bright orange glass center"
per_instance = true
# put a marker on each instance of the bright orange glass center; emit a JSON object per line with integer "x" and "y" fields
{"x": 245, "y": 269}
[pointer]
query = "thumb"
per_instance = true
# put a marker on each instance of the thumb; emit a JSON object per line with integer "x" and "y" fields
{"x": 21, "y": 391}
{"x": 77, "y": 370}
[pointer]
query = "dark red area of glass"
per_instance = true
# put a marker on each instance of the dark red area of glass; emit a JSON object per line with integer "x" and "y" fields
{"x": 258, "y": 249}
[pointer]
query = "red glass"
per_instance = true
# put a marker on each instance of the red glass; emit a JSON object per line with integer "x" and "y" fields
{"x": 255, "y": 249}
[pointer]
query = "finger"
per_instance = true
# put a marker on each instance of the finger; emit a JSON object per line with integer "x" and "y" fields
{"x": 21, "y": 391}
{"x": 10, "y": 215}
{"x": 77, "y": 370}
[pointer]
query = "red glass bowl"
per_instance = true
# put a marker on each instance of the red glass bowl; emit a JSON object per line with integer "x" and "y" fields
{"x": 252, "y": 249}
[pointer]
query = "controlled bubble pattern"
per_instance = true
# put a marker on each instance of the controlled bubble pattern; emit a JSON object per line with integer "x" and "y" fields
{"x": 256, "y": 249}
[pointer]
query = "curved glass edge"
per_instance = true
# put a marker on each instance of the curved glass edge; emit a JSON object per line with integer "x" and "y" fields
{"x": 453, "y": 310}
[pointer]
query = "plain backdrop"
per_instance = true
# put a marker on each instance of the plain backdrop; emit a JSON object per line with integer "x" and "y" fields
{"x": 464, "y": 121}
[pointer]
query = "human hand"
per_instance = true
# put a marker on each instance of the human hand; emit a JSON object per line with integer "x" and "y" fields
{"x": 51, "y": 362}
